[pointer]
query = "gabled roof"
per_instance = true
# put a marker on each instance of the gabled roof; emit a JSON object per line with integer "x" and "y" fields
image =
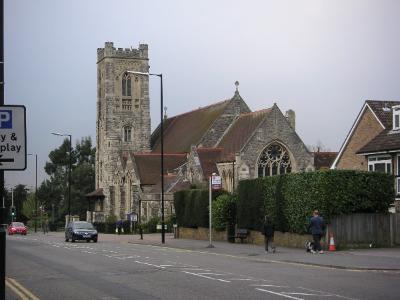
{"x": 185, "y": 130}
{"x": 324, "y": 160}
{"x": 149, "y": 165}
{"x": 383, "y": 114}
{"x": 208, "y": 158}
{"x": 95, "y": 194}
{"x": 387, "y": 140}
{"x": 240, "y": 132}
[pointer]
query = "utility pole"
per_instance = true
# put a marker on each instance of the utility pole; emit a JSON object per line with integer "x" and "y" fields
{"x": 2, "y": 210}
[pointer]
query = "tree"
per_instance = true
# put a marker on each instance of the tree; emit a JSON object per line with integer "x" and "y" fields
{"x": 54, "y": 191}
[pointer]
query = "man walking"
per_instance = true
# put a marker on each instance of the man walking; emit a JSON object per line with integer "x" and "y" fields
{"x": 268, "y": 232}
{"x": 317, "y": 227}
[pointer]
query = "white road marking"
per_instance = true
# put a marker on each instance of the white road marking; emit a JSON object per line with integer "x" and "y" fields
{"x": 144, "y": 263}
{"x": 279, "y": 294}
{"x": 326, "y": 293}
{"x": 166, "y": 265}
{"x": 215, "y": 274}
{"x": 270, "y": 285}
{"x": 205, "y": 276}
{"x": 242, "y": 279}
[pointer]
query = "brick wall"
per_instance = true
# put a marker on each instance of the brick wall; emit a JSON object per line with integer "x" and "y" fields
{"x": 367, "y": 128}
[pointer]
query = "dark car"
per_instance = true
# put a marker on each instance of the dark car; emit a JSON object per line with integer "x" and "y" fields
{"x": 80, "y": 230}
{"x": 16, "y": 228}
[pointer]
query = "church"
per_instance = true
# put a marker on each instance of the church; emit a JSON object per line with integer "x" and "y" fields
{"x": 225, "y": 138}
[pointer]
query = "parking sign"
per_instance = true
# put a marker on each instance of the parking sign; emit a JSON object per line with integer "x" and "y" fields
{"x": 12, "y": 137}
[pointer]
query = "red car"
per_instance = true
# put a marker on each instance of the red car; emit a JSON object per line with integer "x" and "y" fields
{"x": 16, "y": 227}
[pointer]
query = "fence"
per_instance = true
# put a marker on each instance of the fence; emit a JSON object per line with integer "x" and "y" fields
{"x": 366, "y": 230}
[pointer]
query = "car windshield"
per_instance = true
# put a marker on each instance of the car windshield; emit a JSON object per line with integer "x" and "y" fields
{"x": 83, "y": 226}
{"x": 17, "y": 224}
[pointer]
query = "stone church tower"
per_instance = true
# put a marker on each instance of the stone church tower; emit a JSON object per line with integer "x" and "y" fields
{"x": 123, "y": 115}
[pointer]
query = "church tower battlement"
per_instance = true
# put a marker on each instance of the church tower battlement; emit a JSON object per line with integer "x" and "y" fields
{"x": 123, "y": 112}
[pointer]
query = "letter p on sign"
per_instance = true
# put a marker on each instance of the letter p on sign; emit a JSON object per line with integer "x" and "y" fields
{"x": 6, "y": 119}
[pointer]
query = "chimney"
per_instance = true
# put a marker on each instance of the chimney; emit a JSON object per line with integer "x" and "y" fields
{"x": 291, "y": 117}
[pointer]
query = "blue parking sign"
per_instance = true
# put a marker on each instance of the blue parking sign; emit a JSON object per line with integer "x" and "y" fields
{"x": 5, "y": 119}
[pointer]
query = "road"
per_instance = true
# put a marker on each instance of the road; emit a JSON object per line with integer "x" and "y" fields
{"x": 50, "y": 268}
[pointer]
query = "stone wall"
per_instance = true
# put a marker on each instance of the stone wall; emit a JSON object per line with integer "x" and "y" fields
{"x": 282, "y": 239}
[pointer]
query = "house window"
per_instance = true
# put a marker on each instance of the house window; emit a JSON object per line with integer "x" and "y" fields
{"x": 126, "y": 85}
{"x": 274, "y": 160}
{"x": 396, "y": 117}
{"x": 127, "y": 134}
{"x": 382, "y": 164}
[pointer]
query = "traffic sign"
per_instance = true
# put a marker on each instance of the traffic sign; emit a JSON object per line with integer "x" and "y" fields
{"x": 12, "y": 137}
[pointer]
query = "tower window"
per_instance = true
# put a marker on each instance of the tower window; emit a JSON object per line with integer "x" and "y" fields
{"x": 127, "y": 134}
{"x": 126, "y": 85}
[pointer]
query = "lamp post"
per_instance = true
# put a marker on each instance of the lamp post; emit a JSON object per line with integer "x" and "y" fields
{"x": 69, "y": 171}
{"x": 162, "y": 147}
{"x": 35, "y": 190}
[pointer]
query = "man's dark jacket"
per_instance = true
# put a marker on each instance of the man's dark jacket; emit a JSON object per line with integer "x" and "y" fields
{"x": 317, "y": 225}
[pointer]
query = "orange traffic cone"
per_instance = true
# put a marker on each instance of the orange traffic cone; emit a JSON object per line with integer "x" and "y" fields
{"x": 332, "y": 246}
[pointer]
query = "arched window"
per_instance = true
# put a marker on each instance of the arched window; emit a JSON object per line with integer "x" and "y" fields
{"x": 127, "y": 134}
{"x": 126, "y": 85}
{"x": 274, "y": 160}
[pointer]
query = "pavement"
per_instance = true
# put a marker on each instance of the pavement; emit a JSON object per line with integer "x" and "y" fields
{"x": 373, "y": 259}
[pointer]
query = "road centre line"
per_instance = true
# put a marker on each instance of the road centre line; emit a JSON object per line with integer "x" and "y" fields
{"x": 270, "y": 285}
{"x": 215, "y": 274}
{"x": 279, "y": 294}
{"x": 144, "y": 263}
{"x": 205, "y": 276}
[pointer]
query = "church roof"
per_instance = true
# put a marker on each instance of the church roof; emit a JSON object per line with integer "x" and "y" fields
{"x": 183, "y": 131}
{"x": 149, "y": 165}
{"x": 240, "y": 132}
{"x": 208, "y": 158}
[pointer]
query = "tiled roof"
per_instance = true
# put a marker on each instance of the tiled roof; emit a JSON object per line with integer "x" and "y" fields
{"x": 384, "y": 115}
{"x": 95, "y": 193}
{"x": 183, "y": 131}
{"x": 171, "y": 184}
{"x": 324, "y": 160}
{"x": 208, "y": 159}
{"x": 387, "y": 140}
{"x": 240, "y": 132}
{"x": 149, "y": 165}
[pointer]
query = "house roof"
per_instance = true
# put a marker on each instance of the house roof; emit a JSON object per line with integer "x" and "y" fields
{"x": 387, "y": 140}
{"x": 324, "y": 160}
{"x": 239, "y": 133}
{"x": 185, "y": 130}
{"x": 149, "y": 165}
{"x": 382, "y": 111}
{"x": 208, "y": 158}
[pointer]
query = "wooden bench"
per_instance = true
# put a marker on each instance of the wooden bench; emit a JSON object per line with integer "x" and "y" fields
{"x": 241, "y": 234}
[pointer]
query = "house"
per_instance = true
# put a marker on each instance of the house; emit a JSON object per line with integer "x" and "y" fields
{"x": 373, "y": 142}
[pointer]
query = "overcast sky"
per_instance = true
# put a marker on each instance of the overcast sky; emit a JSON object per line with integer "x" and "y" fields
{"x": 322, "y": 59}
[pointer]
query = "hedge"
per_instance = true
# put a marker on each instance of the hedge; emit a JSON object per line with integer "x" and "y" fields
{"x": 191, "y": 207}
{"x": 290, "y": 199}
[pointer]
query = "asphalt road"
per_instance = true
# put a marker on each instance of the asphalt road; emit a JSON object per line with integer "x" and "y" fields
{"x": 49, "y": 268}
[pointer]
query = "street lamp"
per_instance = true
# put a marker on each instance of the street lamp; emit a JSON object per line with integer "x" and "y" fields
{"x": 69, "y": 171}
{"x": 35, "y": 190}
{"x": 162, "y": 148}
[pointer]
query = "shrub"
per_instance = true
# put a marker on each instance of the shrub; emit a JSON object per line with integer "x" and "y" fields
{"x": 224, "y": 212}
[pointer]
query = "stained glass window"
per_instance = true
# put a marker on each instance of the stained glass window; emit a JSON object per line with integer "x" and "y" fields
{"x": 274, "y": 160}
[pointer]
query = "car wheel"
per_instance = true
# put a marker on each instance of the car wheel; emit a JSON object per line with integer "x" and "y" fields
{"x": 95, "y": 240}
{"x": 87, "y": 241}
{"x": 72, "y": 240}
{"x": 66, "y": 239}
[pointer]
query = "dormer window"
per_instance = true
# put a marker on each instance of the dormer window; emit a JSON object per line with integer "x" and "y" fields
{"x": 126, "y": 85}
{"x": 396, "y": 117}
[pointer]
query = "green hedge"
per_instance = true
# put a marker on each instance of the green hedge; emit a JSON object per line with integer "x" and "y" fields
{"x": 191, "y": 207}
{"x": 290, "y": 199}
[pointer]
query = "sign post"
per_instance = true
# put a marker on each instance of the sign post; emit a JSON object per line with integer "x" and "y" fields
{"x": 215, "y": 184}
